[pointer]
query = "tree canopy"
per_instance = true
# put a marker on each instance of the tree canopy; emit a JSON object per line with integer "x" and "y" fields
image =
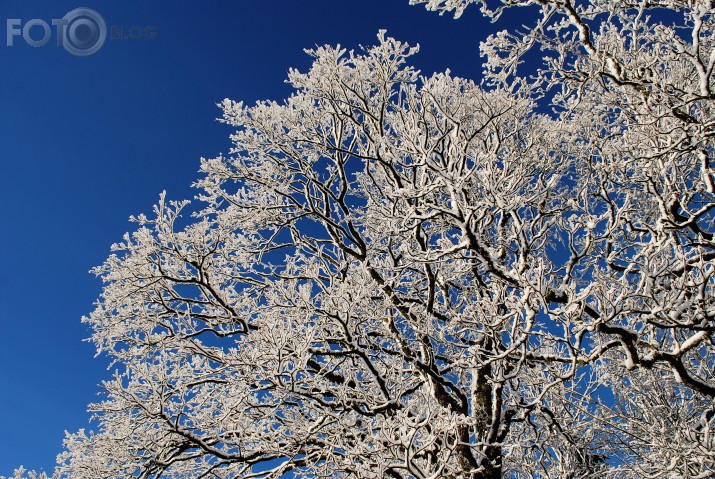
{"x": 394, "y": 275}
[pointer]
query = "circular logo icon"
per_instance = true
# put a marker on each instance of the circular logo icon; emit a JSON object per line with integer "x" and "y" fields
{"x": 84, "y": 32}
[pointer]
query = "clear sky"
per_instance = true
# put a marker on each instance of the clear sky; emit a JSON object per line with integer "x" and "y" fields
{"x": 87, "y": 141}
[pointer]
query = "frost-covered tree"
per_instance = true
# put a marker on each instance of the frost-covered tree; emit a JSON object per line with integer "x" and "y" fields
{"x": 419, "y": 277}
{"x": 356, "y": 297}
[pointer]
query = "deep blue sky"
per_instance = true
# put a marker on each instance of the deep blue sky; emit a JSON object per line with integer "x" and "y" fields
{"x": 87, "y": 141}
